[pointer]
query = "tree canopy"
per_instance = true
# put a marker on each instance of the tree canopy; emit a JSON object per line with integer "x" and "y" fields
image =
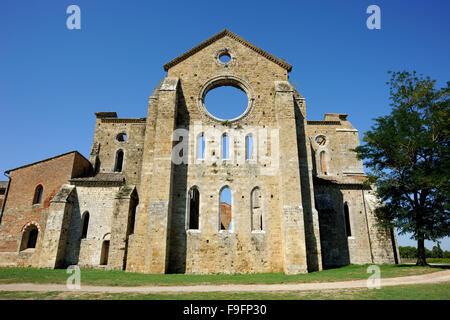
{"x": 408, "y": 154}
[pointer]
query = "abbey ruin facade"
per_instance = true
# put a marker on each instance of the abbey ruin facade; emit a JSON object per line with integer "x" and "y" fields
{"x": 148, "y": 198}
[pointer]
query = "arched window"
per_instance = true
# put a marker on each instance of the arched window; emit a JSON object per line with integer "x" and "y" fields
{"x": 225, "y": 209}
{"x": 194, "y": 208}
{"x": 105, "y": 253}
{"x": 32, "y": 239}
{"x": 248, "y": 147}
{"x": 201, "y": 146}
{"x": 38, "y": 194}
{"x": 84, "y": 225}
{"x": 29, "y": 237}
{"x": 323, "y": 163}
{"x": 256, "y": 210}
{"x": 132, "y": 219}
{"x": 225, "y": 147}
{"x": 119, "y": 161}
{"x": 347, "y": 220}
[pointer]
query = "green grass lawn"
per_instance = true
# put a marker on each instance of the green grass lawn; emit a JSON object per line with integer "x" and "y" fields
{"x": 122, "y": 278}
{"x": 429, "y": 260}
{"x": 439, "y": 291}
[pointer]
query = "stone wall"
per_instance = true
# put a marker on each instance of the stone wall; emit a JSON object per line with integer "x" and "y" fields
{"x": 367, "y": 242}
{"x": 339, "y": 138}
{"x": 106, "y": 143}
{"x": 99, "y": 202}
{"x": 210, "y": 250}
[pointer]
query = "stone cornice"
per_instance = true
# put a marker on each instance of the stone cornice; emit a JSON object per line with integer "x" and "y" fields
{"x": 323, "y": 123}
{"x": 97, "y": 183}
{"x": 124, "y": 120}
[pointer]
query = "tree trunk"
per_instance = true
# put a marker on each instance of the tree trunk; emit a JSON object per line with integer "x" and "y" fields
{"x": 421, "y": 258}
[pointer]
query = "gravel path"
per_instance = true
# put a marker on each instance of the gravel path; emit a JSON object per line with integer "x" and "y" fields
{"x": 435, "y": 277}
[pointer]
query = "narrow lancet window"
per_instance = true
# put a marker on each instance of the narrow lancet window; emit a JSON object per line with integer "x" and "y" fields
{"x": 38, "y": 194}
{"x": 194, "y": 206}
{"x": 347, "y": 220}
{"x": 119, "y": 161}
{"x": 248, "y": 147}
{"x": 225, "y": 147}
{"x": 201, "y": 146}
{"x": 225, "y": 209}
{"x": 85, "y": 225}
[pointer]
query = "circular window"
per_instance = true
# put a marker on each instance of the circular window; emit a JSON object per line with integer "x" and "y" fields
{"x": 121, "y": 137}
{"x": 225, "y": 57}
{"x": 226, "y": 98}
{"x": 321, "y": 140}
{"x": 226, "y": 102}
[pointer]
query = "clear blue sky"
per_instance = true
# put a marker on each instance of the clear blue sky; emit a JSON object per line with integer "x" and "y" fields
{"x": 52, "y": 79}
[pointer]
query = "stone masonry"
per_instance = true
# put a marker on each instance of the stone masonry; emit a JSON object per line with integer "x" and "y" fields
{"x": 149, "y": 199}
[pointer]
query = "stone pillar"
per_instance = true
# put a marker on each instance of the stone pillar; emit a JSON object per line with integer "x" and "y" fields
{"x": 148, "y": 246}
{"x": 382, "y": 241}
{"x": 293, "y": 231}
{"x": 311, "y": 216}
{"x": 160, "y": 205}
{"x": 137, "y": 242}
{"x": 57, "y": 229}
{"x": 119, "y": 228}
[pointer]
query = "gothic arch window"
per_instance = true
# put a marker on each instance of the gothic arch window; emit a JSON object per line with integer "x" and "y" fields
{"x": 225, "y": 147}
{"x": 249, "y": 147}
{"x": 256, "y": 210}
{"x": 194, "y": 208}
{"x": 323, "y": 162}
{"x": 37, "y": 198}
{"x": 201, "y": 146}
{"x": 225, "y": 209}
{"x": 84, "y": 225}
{"x": 347, "y": 220}
{"x": 119, "y": 161}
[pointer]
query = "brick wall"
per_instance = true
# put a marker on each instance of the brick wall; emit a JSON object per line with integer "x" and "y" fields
{"x": 20, "y": 210}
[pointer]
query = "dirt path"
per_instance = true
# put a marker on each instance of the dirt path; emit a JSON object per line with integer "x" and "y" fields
{"x": 435, "y": 277}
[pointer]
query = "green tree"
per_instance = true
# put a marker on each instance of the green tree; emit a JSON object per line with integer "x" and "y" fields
{"x": 428, "y": 253}
{"x": 407, "y": 252}
{"x": 408, "y": 155}
{"x": 437, "y": 252}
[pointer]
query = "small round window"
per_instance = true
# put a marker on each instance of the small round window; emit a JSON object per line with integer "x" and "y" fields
{"x": 121, "y": 137}
{"x": 225, "y": 57}
{"x": 321, "y": 140}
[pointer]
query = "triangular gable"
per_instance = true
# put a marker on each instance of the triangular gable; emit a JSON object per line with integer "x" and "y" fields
{"x": 234, "y": 36}
{"x": 48, "y": 159}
